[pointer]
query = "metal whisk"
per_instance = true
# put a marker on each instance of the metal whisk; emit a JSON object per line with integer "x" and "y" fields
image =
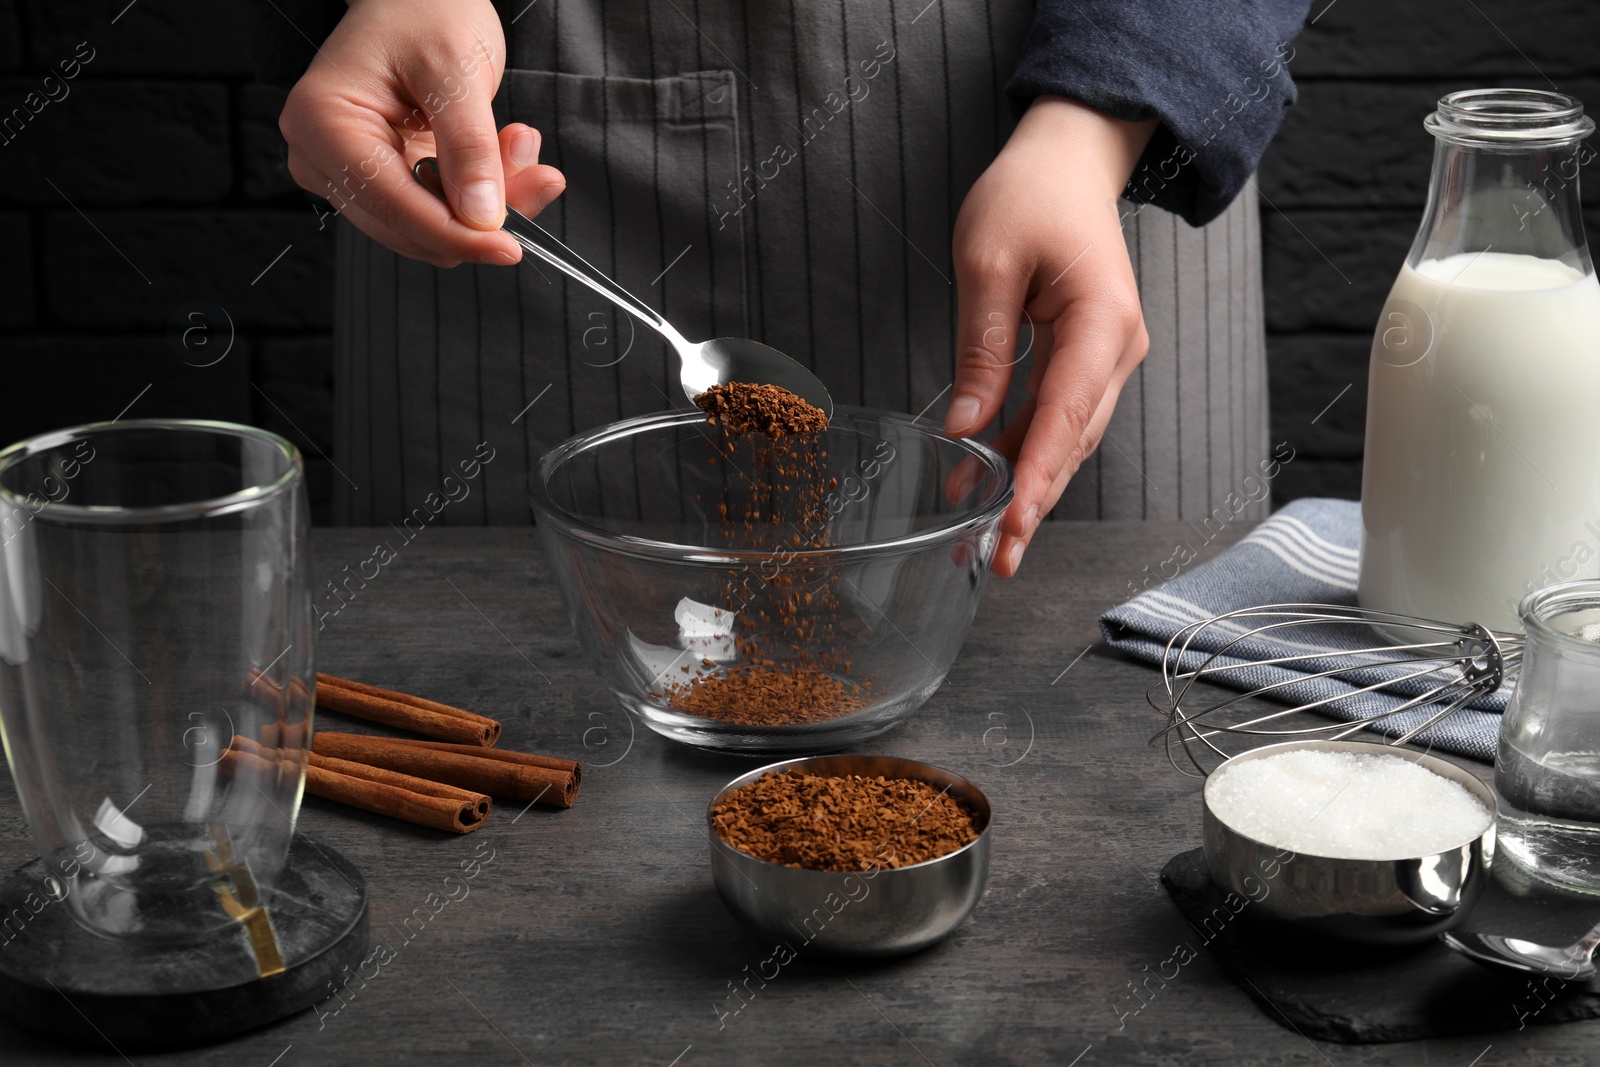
{"x": 1433, "y": 668}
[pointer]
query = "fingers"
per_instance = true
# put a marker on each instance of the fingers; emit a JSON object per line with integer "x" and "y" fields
{"x": 1094, "y": 354}
{"x": 530, "y": 185}
{"x": 1044, "y": 343}
{"x": 990, "y": 293}
{"x": 468, "y": 145}
{"x": 354, "y": 159}
{"x": 1009, "y": 552}
{"x": 519, "y": 148}
{"x": 1089, "y": 346}
{"x": 369, "y": 225}
{"x": 401, "y": 75}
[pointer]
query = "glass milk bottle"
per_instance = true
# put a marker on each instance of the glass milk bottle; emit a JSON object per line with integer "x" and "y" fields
{"x": 1481, "y": 480}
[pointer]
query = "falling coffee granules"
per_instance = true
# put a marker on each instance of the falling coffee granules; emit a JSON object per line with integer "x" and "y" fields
{"x": 745, "y": 408}
{"x": 848, "y": 823}
{"x": 790, "y": 650}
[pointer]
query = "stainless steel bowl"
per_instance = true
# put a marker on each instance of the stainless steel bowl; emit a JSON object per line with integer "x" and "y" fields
{"x": 1374, "y": 901}
{"x": 888, "y": 911}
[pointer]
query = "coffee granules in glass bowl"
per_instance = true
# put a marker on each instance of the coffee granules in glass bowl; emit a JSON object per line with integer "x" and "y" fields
{"x": 842, "y": 823}
{"x": 790, "y": 650}
{"x": 762, "y": 696}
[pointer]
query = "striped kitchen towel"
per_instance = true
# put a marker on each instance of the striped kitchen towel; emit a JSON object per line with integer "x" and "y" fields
{"x": 1307, "y": 553}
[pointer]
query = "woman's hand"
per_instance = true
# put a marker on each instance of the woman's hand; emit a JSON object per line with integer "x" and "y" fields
{"x": 1039, "y": 236}
{"x": 398, "y": 80}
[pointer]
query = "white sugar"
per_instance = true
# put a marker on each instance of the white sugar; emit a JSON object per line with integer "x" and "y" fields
{"x": 1345, "y": 805}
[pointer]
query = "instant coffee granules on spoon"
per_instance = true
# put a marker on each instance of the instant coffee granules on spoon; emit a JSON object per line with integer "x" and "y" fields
{"x": 745, "y": 408}
{"x": 827, "y": 823}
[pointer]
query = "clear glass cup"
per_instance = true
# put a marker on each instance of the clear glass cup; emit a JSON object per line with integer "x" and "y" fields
{"x": 1481, "y": 473}
{"x": 1547, "y": 769}
{"x": 155, "y": 608}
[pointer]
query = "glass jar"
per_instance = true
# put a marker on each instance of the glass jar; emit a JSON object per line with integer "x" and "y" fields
{"x": 1547, "y": 769}
{"x": 1481, "y": 480}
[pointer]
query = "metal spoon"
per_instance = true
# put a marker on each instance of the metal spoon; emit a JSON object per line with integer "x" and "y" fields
{"x": 1574, "y": 962}
{"x": 704, "y": 363}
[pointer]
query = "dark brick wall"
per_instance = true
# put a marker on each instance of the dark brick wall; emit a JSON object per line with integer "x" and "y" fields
{"x": 152, "y": 184}
{"x": 1344, "y": 184}
{"x": 146, "y": 186}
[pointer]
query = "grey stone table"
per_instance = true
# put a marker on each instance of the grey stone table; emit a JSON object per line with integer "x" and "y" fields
{"x": 594, "y": 935}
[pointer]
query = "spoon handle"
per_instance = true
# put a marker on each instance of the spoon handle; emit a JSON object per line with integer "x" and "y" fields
{"x": 542, "y": 243}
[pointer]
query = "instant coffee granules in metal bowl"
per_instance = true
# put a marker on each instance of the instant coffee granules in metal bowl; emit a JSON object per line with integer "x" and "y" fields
{"x": 843, "y": 823}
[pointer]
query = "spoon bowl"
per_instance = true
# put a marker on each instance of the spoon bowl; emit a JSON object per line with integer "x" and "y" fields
{"x": 739, "y": 359}
{"x": 1574, "y": 962}
{"x": 702, "y": 363}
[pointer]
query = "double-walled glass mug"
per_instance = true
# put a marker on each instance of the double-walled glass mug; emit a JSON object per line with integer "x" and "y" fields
{"x": 156, "y": 667}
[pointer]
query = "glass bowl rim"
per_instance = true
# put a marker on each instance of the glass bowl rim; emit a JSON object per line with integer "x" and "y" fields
{"x": 545, "y": 506}
{"x": 252, "y": 496}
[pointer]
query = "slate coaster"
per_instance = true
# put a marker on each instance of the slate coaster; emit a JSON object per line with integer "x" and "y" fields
{"x": 1363, "y": 994}
{"x": 59, "y": 980}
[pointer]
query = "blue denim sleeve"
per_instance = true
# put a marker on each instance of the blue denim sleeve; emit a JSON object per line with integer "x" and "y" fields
{"x": 1215, "y": 74}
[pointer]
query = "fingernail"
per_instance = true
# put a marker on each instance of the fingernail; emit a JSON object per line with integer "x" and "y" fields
{"x": 1031, "y": 517}
{"x": 525, "y": 148}
{"x": 480, "y": 202}
{"x": 962, "y": 414}
{"x": 497, "y": 258}
{"x": 1014, "y": 559}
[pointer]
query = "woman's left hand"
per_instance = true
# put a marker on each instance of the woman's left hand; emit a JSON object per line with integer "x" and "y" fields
{"x": 1039, "y": 236}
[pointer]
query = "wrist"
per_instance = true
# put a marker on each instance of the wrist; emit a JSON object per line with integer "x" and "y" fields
{"x": 1098, "y": 148}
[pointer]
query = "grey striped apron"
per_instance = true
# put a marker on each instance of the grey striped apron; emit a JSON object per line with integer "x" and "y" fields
{"x": 784, "y": 171}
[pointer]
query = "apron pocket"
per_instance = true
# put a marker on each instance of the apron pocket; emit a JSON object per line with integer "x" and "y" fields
{"x": 646, "y": 160}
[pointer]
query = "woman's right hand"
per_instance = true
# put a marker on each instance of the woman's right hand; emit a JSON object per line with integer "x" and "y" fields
{"x": 398, "y": 80}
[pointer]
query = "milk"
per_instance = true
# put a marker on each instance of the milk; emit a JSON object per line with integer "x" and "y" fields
{"x": 1482, "y": 473}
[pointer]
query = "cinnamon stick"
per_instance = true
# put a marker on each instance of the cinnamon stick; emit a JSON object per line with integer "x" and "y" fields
{"x": 502, "y": 774}
{"x": 291, "y": 700}
{"x": 287, "y": 735}
{"x": 529, "y": 759}
{"x": 375, "y": 789}
{"x": 400, "y": 796}
{"x": 245, "y": 754}
{"x": 405, "y": 712}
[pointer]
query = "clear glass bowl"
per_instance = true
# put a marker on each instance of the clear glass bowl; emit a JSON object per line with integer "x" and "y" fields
{"x": 771, "y": 599}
